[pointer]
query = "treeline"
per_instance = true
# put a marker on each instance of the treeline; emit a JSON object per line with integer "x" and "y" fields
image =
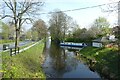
{"x": 99, "y": 28}
{"x": 61, "y": 28}
{"x": 38, "y": 31}
{"x": 4, "y": 31}
{"x": 64, "y": 28}
{"x": 7, "y": 31}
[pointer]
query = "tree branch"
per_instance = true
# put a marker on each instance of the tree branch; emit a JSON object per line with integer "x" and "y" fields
{"x": 7, "y": 16}
{"x": 25, "y": 19}
{"x": 10, "y": 7}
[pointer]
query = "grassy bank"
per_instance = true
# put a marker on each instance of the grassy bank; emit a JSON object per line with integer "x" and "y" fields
{"x": 107, "y": 59}
{"x": 24, "y": 65}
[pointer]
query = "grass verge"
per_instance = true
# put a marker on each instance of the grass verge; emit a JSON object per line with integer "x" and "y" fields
{"x": 27, "y": 64}
{"x": 6, "y": 41}
{"x": 105, "y": 57}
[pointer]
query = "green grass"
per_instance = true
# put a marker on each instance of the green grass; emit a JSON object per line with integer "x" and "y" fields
{"x": 24, "y": 65}
{"x": 104, "y": 57}
{"x": 6, "y": 41}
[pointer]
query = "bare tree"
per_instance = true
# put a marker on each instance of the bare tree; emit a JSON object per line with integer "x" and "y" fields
{"x": 21, "y": 11}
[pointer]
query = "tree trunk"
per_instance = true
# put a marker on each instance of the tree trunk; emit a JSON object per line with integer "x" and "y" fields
{"x": 16, "y": 21}
{"x": 16, "y": 40}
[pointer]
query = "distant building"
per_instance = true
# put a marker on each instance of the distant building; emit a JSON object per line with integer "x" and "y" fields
{"x": 100, "y": 41}
{"x": 112, "y": 38}
{"x": 116, "y": 31}
{"x": 97, "y": 42}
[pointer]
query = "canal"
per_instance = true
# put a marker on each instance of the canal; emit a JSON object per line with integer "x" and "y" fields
{"x": 61, "y": 62}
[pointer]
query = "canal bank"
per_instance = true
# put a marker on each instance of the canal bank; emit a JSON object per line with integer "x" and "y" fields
{"x": 27, "y": 64}
{"x": 61, "y": 62}
{"x": 106, "y": 61}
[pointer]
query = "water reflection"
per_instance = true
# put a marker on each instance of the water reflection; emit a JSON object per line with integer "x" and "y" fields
{"x": 71, "y": 48}
{"x": 58, "y": 57}
{"x": 61, "y": 63}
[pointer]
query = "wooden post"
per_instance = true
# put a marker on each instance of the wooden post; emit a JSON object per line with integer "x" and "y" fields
{"x": 10, "y": 51}
{"x": 18, "y": 49}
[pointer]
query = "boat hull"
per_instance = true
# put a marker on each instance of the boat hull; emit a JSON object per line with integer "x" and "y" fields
{"x": 73, "y": 44}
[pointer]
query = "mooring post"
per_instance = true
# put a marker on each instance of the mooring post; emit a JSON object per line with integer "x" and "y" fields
{"x": 90, "y": 61}
{"x": 77, "y": 53}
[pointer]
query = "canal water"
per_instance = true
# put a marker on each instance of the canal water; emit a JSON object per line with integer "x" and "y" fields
{"x": 60, "y": 62}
